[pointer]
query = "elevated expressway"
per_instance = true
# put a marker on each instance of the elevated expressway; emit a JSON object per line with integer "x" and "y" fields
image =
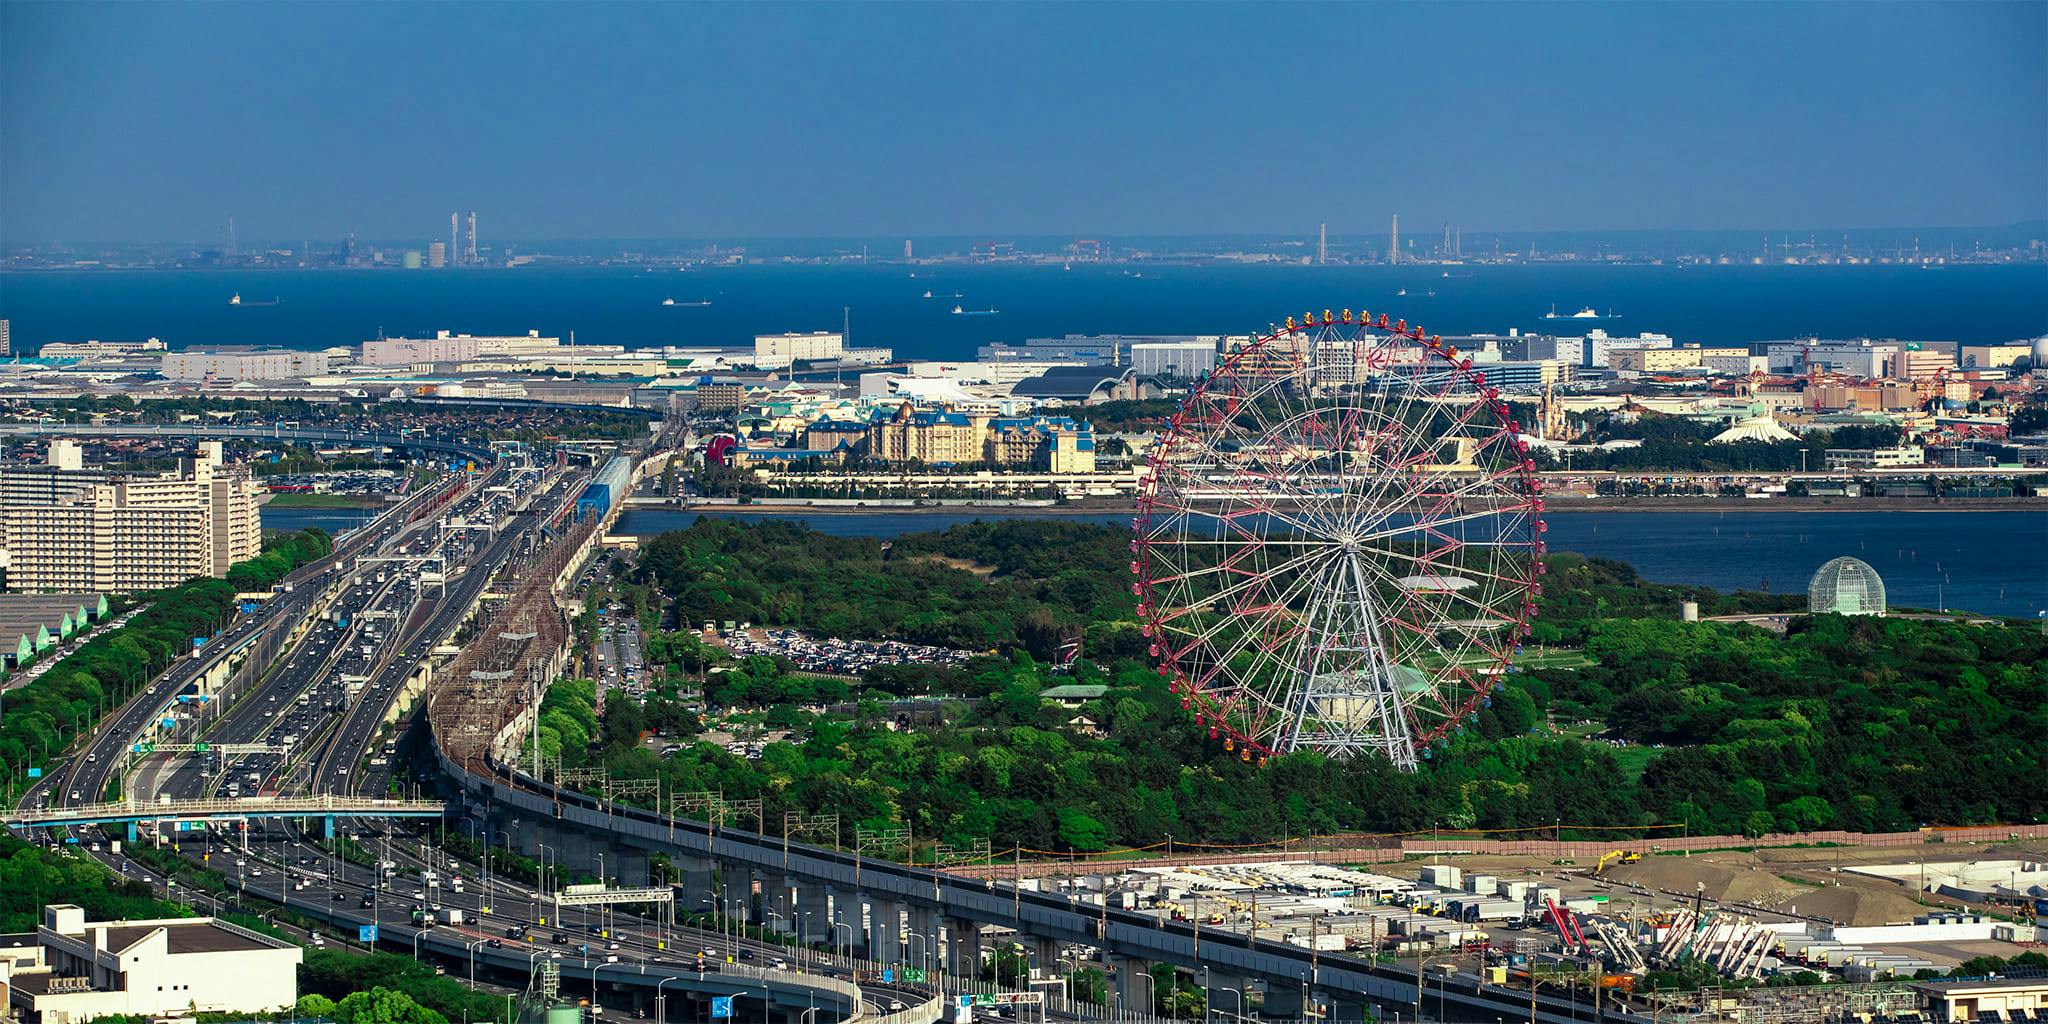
{"x": 317, "y": 785}
{"x": 284, "y": 433}
{"x": 897, "y": 914}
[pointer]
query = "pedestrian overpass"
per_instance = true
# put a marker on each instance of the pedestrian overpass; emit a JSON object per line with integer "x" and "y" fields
{"x": 129, "y": 812}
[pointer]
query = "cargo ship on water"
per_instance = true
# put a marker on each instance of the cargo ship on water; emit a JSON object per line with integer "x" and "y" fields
{"x": 1584, "y": 313}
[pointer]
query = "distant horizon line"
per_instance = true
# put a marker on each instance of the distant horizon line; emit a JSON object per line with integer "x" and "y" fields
{"x": 1421, "y": 230}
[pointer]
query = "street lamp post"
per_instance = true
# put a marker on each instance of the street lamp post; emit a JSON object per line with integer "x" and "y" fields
{"x": 473, "y": 947}
{"x": 660, "y": 1001}
{"x": 1153, "y": 991}
{"x": 847, "y": 952}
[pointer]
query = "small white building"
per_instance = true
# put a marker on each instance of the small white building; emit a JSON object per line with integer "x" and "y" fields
{"x": 73, "y": 970}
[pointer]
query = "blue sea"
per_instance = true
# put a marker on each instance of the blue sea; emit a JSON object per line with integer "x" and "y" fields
{"x": 885, "y": 303}
{"x": 1993, "y": 563}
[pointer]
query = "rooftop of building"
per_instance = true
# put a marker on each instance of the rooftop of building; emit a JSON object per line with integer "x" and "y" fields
{"x": 198, "y": 935}
{"x": 1071, "y": 381}
{"x": 1976, "y": 985}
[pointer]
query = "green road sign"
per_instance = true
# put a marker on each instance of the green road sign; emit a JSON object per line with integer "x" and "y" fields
{"x": 913, "y": 974}
{"x": 200, "y": 747}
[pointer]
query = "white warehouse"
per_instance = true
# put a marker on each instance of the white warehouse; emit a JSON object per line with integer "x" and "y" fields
{"x": 72, "y": 970}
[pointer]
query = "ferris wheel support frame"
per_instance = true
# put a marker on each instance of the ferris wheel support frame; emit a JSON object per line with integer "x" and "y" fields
{"x": 1344, "y": 617}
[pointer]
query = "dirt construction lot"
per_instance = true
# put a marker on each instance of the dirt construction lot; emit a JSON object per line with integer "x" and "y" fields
{"x": 1795, "y": 881}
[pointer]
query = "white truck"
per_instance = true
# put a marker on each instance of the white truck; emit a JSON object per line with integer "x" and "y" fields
{"x": 449, "y": 915}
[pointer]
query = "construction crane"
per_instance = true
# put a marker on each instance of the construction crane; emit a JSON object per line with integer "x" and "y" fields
{"x": 1567, "y": 929}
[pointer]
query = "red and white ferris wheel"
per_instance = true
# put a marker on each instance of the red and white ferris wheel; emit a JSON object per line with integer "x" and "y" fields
{"x": 1339, "y": 542}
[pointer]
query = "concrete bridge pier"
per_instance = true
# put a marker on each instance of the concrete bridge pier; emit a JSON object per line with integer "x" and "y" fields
{"x": 1044, "y": 954}
{"x": 1227, "y": 993}
{"x": 697, "y": 882}
{"x": 1344, "y": 1008}
{"x": 813, "y": 912}
{"x": 778, "y": 905}
{"x": 849, "y": 933}
{"x": 921, "y": 944}
{"x": 885, "y": 932}
{"x": 963, "y": 948}
{"x": 631, "y": 871}
{"x": 1283, "y": 999}
{"x": 1134, "y": 984}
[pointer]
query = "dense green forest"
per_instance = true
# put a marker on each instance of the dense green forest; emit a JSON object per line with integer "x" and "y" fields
{"x": 1869, "y": 724}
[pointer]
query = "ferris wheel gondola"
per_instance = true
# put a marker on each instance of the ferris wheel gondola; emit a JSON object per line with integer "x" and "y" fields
{"x": 1339, "y": 542}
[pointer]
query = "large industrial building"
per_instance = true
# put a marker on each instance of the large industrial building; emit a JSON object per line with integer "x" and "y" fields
{"x": 783, "y": 349}
{"x": 449, "y": 347}
{"x": 69, "y": 528}
{"x": 243, "y": 363}
{"x": 1179, "y": 360}
{"x": 73, "y": 970}
{"x": 1114, "y": 349}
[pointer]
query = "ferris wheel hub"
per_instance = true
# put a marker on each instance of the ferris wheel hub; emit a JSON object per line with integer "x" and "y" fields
{"x": 1337, "y": 544}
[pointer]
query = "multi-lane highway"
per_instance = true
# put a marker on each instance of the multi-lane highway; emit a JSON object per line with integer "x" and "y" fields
{"x": 329, "y": 654}
{"x": 86, "y": 776}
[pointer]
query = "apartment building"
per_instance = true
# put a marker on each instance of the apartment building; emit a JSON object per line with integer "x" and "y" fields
{"x": 70, "y": 528}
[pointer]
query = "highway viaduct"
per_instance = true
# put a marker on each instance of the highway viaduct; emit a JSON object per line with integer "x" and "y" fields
{"x": 922, "y": 917}
{"x": 279, "y": 432}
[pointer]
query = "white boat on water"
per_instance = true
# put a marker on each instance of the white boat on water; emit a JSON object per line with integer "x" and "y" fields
{"x": 1585, "y": 313}
{"x": 957, "y": 311}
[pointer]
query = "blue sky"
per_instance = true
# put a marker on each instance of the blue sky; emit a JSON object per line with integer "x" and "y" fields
{"x": 158, "y": 121}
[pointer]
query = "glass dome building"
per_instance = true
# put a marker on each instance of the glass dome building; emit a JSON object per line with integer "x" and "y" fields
{"x": 1846, "y": 586}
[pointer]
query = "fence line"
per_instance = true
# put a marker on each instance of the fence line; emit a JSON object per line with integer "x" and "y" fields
{"x": 1387, "y": 849}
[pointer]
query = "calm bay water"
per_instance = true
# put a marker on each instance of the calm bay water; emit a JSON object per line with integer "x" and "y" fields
{"x": 1994, "y": 563}
{"x": 603, "y": 305}
{"x": 333, "y": 520}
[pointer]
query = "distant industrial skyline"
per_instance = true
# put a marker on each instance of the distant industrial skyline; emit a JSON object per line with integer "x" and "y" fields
{"x": 158, "y": 122}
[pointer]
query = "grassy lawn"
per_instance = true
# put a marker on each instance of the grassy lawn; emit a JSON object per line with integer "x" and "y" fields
{"x": 300, "y": 499}
{"x": 1632, "y": 759}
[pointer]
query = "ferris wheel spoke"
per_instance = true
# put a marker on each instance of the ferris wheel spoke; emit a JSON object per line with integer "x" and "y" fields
{"x": 1336, "y": 539}
{"x": 1248, "y": 618}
